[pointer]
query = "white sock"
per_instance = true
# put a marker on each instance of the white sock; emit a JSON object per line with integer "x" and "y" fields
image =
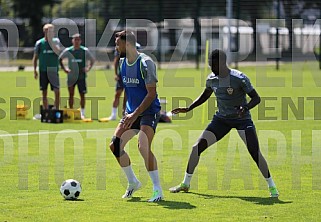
{"x": 270, "y": 182}
{"x": 114, "y": 112}
{"x": 155, "y": 179}
{"x": 82, "y": 111}
{"x": 130, "y": 174}
{"x": 187, "y": 179}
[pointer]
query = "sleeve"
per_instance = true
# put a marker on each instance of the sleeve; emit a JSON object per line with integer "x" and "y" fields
{"x": 209, "y": 80}
{"x": 89, "y": 55}
{"x": 208, "y": 83}
{"x": 246, "y": 84}
{"x": 37, "y": 48}
{"x": 148, "y": 68}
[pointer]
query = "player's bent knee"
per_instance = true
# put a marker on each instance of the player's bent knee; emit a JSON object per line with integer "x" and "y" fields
{"x": 115, "y": 147}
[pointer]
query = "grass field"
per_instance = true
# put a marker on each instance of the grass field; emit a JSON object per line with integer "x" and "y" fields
{"x": 226, "y": 187}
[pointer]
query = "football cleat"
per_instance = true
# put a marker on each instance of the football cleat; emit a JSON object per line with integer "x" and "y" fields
{"x": 111, "y": 118}
{"x": 181, "y": 187}
{"x": 131, "y": 188}
{"x": 157, "y": 196}
{"x": 273, "y": 192}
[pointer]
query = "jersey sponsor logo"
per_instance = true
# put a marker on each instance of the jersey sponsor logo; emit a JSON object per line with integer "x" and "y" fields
{"x": 76, "y": 60}
{"x": 130, "y": 80}
{"x": 47, "y": 51}
{"x": 230, "y": 90}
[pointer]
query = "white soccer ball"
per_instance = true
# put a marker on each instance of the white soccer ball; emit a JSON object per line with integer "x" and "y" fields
{"x": 70, "y": 189}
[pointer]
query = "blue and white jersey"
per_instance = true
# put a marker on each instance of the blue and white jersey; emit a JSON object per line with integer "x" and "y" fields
{"x": 230, "y": 92}
{"x": 135, "y": 76}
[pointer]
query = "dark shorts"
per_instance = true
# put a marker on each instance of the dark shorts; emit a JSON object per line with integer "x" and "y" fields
{"x": 148, "y": 119}
{"x": 119, "y": 84}
{"x": 51, "y": 78}
{"x": 220, "y": 127}
{"x": 81, "y": 85}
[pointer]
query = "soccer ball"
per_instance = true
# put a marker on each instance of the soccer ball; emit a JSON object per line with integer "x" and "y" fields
{"x": 70, "y": 189}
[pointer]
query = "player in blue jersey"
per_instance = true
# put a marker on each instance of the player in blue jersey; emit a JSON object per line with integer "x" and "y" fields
{"x": 230, "y": 87}
{"x": 138, "y": 74}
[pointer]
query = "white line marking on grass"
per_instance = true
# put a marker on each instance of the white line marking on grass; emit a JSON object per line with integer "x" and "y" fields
{"x": 50, "y": 132}
{"x": 66, "y": 131}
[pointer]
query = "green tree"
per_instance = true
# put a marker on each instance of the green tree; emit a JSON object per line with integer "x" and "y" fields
{"x": 89, "y": 9}
{"x": 34, "y": 11}
{"x": 6, "y": 8}
{"x": 70, "y": 9}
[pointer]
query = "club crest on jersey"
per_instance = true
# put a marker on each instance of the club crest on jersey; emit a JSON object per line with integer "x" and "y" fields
{"x": 230, "y": 90}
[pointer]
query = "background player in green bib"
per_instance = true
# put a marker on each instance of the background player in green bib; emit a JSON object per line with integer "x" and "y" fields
{"x": 230, "y": 87}
{"x": 47, "y": 50}
{"x": 78, "y": 67}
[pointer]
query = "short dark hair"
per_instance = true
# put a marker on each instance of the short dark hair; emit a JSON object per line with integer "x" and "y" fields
{"x": 127, "y": 36}
{"x": 217, "y": 55}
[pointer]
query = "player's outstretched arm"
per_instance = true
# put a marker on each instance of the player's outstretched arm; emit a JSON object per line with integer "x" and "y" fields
{"x": 199, "y": 101}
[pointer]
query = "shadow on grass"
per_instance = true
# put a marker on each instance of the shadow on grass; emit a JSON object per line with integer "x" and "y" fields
{"x": 74, "y": 200}
{"x": 255, "y": 200}
{"x": 174, "y": 205}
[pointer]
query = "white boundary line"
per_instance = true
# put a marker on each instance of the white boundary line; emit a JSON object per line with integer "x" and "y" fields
{"x": 42, "y": 132}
